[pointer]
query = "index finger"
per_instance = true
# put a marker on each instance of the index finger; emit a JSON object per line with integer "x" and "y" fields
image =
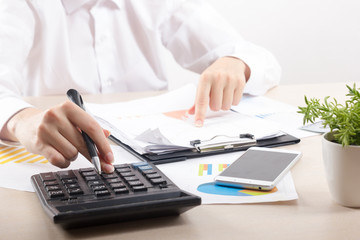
{"x": 91, "y": 127}
{"x": 201, "y": 102}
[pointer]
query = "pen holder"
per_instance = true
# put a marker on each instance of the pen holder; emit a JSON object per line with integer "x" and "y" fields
{"x": 342, "y": 169}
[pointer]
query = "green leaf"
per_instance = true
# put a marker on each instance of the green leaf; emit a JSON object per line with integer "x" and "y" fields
{"x": 345, "y": 119}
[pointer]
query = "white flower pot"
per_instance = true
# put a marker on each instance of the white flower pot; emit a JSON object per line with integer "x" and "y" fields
{"x": 342, "y": 169}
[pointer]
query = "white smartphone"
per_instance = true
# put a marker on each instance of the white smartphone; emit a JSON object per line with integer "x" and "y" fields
{"x": 258, "y": 168}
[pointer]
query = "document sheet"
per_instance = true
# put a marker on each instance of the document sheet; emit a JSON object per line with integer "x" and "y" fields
{"x": 160, "y": 123}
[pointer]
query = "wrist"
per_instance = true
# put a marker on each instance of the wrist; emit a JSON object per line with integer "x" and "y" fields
{"x": 9, "y": 130}
{"x": 246, "y": 69}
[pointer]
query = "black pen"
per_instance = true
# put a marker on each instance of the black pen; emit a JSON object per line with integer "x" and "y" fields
{"x": 76, "y": 98}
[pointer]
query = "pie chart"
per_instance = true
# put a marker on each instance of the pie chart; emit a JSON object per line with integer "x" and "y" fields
{"x": 212, "y": 188}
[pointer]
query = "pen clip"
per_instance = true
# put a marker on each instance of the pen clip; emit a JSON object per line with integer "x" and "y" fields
{"x": 232, "y": 142}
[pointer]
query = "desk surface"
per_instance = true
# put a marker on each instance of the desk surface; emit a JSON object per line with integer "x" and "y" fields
{"x": 313, "y": 216}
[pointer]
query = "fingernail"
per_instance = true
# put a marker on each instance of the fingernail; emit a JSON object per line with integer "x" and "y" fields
{"x": 107, "y": 133}
{"x": 109, "y": 157}
{"x": 108, "y": 168}
{"x": 73, "y": 158}
{"x": 198, "y": 123}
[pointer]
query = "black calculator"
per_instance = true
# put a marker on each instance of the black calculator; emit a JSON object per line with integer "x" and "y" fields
{"x": 83, "y": 197}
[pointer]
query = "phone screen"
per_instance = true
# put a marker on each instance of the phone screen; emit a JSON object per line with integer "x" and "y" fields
{"x": 259, "y": 165}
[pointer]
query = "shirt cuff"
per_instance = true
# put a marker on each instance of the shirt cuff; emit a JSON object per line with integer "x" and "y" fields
{"x": 265, "y": 72}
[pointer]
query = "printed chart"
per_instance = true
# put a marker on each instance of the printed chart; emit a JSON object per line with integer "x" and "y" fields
{"x": 19, "y": 155}
{"x": 207, "y": 169}
{"x": 17, "y": 165}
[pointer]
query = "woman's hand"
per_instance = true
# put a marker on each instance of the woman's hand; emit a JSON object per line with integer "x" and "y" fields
{"x": 220, "y": 86}
{"x": 55, "y": 134}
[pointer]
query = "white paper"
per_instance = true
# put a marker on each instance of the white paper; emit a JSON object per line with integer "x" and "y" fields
{"x": 182, "y": 98}
{"x": 316, "y": 127}
{"x": 282, "y": 115}
{"x": 174, "y": 123}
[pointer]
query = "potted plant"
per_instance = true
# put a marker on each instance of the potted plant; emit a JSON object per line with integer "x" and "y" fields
{"x": 340, "y": 146}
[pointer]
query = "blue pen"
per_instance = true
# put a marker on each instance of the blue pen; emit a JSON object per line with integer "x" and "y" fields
{"x": 76, "y": 98}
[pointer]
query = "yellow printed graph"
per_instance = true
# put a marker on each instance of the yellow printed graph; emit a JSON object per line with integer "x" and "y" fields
{"x": 19, "y": 155}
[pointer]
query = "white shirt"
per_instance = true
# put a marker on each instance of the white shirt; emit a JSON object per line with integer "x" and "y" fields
{"x": 104, "y": 46}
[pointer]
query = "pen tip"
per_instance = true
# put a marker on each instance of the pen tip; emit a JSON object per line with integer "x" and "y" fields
{"x": 96, "y": 163}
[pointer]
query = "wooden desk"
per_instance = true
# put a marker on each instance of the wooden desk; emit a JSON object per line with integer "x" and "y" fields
{"x": 313, "y": 216}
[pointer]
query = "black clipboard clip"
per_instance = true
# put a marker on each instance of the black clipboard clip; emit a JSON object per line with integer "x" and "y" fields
{"x": 224, "y": 142}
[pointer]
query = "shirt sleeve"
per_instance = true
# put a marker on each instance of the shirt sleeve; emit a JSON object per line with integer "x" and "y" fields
{"x": 197, "y": 35}
{"x": 16, "y": 38}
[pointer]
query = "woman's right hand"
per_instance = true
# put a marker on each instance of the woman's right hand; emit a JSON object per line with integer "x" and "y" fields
{"x": 55, "y": 134}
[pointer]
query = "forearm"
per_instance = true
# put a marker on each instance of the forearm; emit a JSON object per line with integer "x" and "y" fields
{"x": 198, "y": 36}
{"x": 17, "y": 27}
{"x": 10, "y": 129}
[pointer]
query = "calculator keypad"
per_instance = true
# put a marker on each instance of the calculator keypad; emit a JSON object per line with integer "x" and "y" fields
{"x": 86, "y": 182}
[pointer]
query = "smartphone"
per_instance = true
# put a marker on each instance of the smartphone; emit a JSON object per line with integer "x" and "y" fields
{"x": 258, "y": 168}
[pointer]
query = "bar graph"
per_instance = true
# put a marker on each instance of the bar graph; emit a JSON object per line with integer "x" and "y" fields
{"x": 207, "y": 169}
{"x": 19, "y": 155}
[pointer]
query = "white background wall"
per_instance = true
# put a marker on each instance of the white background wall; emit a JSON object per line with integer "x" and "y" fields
{"x": 314, "y": 40}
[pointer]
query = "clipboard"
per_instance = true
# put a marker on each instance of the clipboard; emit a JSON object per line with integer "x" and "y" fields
{"x": 244, "y": 142}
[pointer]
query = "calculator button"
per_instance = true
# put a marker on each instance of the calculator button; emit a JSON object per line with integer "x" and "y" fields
{"x": 122, "y": 169}
{"x": 96, "y": 182}
{"x": 55, "y": 194}
{"x": 69, "y": 180}
{"x": 144, "y": 168}
{"x": 98, "y": 187}
{"x": 154, "y": 175}
{"x": 81, "y": 170}
{"x": 156, "y": 181}
{"x": 109, "y": 175}
{"x": 66, "y": 174}
{"x": 117, "y": 185}
{"x": 49, "y": 183}
{"x": 138, "y": 164}
{"x": 127, "y": 174}
{"x": 53, "y": 188}
{"x": 120, "y": 190}
{"x": 72, "y": 185}
{"x": 139, "y": 188}
{"x": 113, "y": 180}
{"x": 47, "y": 176}
{"x": 132, "y": 178}
{"x": 75, "y": 191}
{"x": 148, "y": 172}
{"x": 90, "y": 173}
{"x": 91, "y": 178}
{"x": 135, "y": 183}
{"x": 102, "y": 193}
{"x": 122, "y": 166}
